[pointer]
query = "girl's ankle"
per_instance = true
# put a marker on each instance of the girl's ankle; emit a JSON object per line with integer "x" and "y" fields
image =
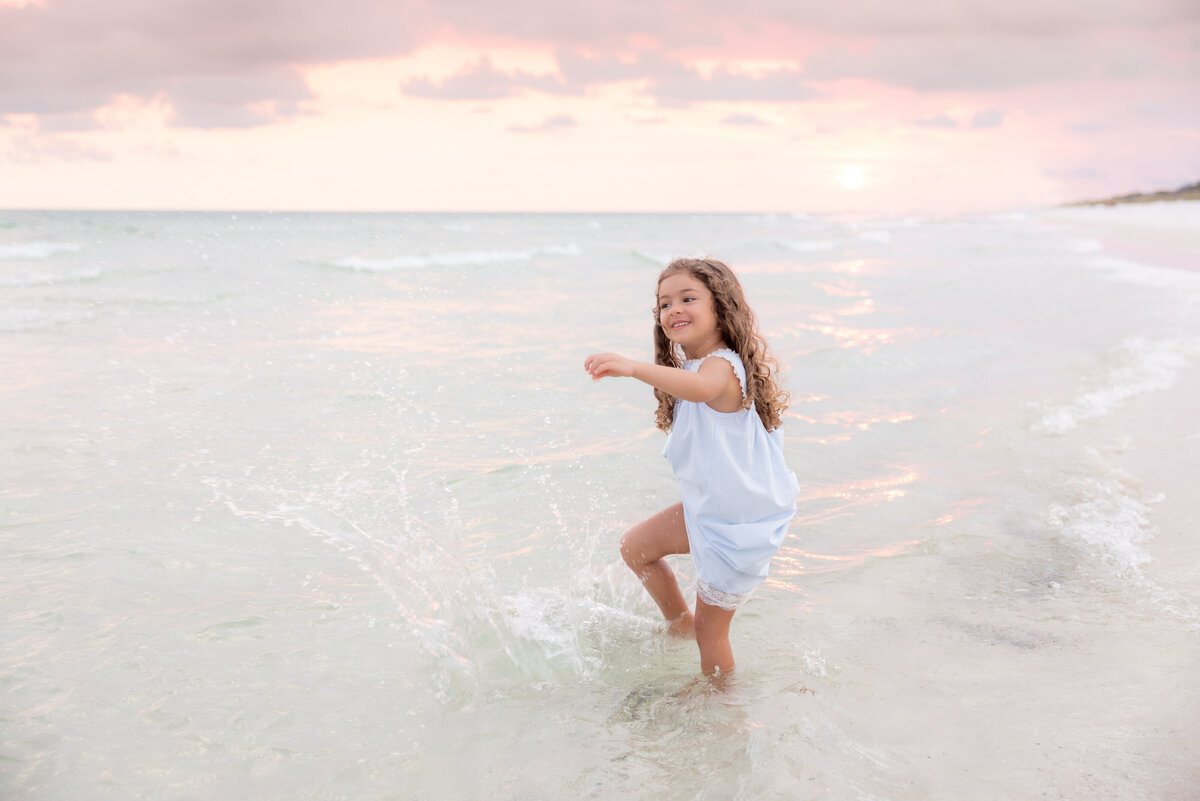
{"x": 682, "y": 626}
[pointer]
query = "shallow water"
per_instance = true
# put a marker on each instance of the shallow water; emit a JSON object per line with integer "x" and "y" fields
{"x": 324, "y": 506}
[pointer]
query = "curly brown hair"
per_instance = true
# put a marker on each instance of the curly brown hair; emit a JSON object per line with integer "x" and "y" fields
{"x": 738, "y": 328}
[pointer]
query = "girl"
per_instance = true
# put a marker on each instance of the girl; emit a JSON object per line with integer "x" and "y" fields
{"x": 720, "y": 402}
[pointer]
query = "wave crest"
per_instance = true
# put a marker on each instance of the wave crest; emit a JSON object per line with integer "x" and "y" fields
{"x": 471, "y": 258}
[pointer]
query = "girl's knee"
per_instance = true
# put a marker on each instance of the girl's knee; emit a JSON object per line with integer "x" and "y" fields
{"x": 712, "y": 624}
{"x": 631, "y": 552}
{"x": 707, "y": 631}
{"x": 634, "y": 552}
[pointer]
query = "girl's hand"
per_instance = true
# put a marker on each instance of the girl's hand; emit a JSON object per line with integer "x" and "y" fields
{"x": 600, "y": 365}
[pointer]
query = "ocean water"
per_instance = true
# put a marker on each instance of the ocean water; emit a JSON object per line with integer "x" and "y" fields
{"x": 324, "y": 506}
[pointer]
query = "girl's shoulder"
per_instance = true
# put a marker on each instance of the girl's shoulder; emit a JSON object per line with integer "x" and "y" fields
{"x": 735, "y": 361}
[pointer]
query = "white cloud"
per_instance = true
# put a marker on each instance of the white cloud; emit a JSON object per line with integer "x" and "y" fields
{"x": 548, "y": 124}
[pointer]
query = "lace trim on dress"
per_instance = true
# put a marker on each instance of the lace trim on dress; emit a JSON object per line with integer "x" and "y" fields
{"x": 714, "y": 597}
{"x": 739, "y": 370}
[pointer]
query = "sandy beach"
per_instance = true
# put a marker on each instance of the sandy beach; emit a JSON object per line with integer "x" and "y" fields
{"x": 1164, "y": 234}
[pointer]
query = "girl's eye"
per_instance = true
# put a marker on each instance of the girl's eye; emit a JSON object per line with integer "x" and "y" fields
{"x": 688, "y": 300}
{"x": 664, "y": 306}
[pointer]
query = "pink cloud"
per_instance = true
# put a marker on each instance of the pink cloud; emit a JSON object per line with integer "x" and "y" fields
{"x": 239, "y": 62}
{"x": 669, "y": 81}
{"x": 482, "y": 81}
{"x": 991, "y": 118}
{"x": 743, "y": 119}
{"x": 212, "y": 59}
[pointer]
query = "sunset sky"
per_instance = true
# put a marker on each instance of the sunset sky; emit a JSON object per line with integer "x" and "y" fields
{"x": 923, "y": 106}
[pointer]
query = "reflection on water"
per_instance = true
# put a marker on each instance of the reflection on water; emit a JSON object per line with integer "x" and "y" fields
{"x": 858, "y": 419}
{"x": 841, "y": 289}
{"x": 794, "y": 562}
{"x": 871, "y": 490}
{"x": 827, "y": 322}
{"x": 865, "y": 340}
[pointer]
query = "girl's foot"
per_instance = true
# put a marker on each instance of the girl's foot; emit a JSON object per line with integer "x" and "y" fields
{"x": 683, "y": 626}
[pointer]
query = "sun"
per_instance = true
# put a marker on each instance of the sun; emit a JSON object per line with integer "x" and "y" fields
{"x": 852, "y": 176}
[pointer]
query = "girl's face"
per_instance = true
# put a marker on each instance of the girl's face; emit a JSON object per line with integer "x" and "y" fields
{"x": 687, "y": 314}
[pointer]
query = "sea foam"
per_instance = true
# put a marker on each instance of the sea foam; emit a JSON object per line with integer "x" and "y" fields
{"x": 49, "y": 278}
{"x": 35, "y": 250}
{"x": 1107, "y": 519}
{"x": 1142, "y": 366}
{"x": 809, "y": 245}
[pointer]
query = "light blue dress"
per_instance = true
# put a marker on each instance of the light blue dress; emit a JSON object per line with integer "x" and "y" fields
{"x": 738, "y": 494}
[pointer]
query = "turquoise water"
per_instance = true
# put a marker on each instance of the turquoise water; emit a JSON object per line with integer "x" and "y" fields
{"x": 325, "y": 506}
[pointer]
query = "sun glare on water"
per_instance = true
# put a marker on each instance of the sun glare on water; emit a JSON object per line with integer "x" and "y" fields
{"x": 852, "y": 176}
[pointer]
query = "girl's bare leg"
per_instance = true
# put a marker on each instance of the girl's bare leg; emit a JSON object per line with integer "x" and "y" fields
{"x": 712, "y": 635}
{"x": 643, "y": 548}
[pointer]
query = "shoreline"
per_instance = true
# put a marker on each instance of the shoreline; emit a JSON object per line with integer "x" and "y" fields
{"x": 1163, "y": 426}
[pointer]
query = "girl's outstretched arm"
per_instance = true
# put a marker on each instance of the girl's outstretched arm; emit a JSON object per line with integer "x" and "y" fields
{"x": 707, "y": 384}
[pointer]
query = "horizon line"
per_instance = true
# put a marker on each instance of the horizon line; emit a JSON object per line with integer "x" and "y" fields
{"x": 498, "y": 212}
